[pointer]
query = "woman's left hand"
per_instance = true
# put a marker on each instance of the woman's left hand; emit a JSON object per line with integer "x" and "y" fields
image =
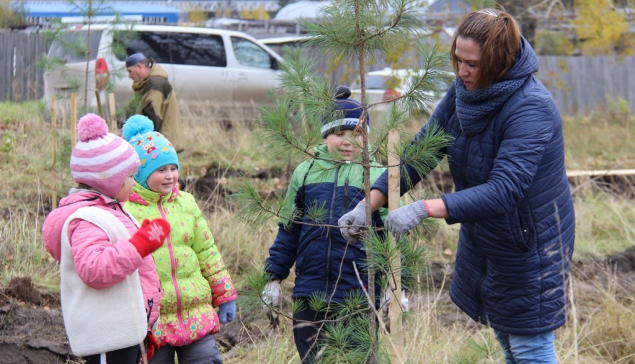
{"x": 407, "y": 217}
{"x": 227, "y": 312}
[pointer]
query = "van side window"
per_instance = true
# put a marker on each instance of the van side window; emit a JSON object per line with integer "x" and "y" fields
{"x": 71, "y": 46}
{"x": 153, "y": 45}
{"x": 178, "y": 48}
{"x": 198, "y": 49}
{"x": 249, "y": 53}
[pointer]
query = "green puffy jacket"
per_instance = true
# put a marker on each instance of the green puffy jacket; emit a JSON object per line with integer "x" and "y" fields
{"x": 190, "y": 268}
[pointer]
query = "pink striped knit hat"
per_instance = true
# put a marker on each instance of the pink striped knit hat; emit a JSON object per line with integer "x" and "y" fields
{"x": 101, "y": 159}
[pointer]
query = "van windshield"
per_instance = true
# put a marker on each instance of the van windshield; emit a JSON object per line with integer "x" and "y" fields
{"x": 376, "y": 82}
{"x": 250, "y": 54}
{"x": 71, "y": 46}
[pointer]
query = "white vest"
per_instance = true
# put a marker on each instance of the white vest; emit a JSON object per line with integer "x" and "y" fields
{"x": 99, "y": 321}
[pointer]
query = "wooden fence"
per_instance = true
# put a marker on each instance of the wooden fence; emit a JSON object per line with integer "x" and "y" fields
{"x": 579, "y": 85}
{"x": 20, "y": 79}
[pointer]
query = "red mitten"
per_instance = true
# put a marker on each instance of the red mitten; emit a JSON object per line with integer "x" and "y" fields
{"x": 150, "y": 236}
{"x": 151, "y": 345}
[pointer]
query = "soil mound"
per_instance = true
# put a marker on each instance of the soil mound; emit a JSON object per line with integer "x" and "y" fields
{"x": 31, "y": 326}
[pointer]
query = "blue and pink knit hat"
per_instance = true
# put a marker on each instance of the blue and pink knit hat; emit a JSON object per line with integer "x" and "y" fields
{"x": 154, "y": 150}
{"x": 101, "y": 159}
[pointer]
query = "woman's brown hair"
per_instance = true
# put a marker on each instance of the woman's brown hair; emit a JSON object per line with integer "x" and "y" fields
{"x": 498, "y": 35}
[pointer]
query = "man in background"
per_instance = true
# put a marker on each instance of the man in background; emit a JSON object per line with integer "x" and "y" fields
{"x": 157, "y": 97}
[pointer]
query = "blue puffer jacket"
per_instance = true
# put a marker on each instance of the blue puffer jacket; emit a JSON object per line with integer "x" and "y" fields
{"x": 321, "y": 254}
{"x": 516, "y": 212}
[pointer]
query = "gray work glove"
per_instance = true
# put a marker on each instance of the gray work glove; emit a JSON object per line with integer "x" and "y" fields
{"x": 406, "y": 217}
{"x": 357, "y": 217}
{"x": 271, "y": 297}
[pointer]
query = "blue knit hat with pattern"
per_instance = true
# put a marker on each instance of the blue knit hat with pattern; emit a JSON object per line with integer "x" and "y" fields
{"x": 154, "y": 150}
{"x": 348, "y": 117}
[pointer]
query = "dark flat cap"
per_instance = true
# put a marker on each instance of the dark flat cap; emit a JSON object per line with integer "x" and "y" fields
{"x": 134, "y": 59}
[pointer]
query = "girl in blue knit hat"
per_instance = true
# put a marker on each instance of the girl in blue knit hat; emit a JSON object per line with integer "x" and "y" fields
{"x": 190, "y": 268}
{"x": 324, "y": 260}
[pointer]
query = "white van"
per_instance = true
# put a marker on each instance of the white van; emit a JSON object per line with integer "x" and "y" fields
{"x": 209, "y": 67}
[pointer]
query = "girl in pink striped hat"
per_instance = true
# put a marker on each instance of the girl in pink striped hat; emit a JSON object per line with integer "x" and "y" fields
{"x": 110, "y": 290}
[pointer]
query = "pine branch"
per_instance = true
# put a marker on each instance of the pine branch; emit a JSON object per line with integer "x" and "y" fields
{"x": 424, "y": 154}
{"x": 412, "y": 255}
{"x": 251, "y": 299}
{"x": 381, "y": 322}
{"x": 255, "y": 211}
{"x": 395, "y": 118}
{"x": 420, "y": 89}
{"x": 382, "y": 26}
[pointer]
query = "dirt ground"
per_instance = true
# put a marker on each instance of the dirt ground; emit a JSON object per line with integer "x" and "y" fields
{"x": 32, "y": 330}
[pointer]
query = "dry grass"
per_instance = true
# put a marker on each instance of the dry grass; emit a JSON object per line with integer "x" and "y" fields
{"x": 602, "y": 140}
{"x": 601, "y": 332}
{"x": 214, "y": 143}
{"x": 436, "y": 332}
{"x": 604, "y": 223}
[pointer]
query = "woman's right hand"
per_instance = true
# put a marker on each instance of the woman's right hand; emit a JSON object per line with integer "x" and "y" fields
{"x": 405, "y": 218}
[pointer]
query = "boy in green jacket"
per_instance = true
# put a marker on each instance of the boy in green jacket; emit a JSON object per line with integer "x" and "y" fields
{"x": 324, "y": 261}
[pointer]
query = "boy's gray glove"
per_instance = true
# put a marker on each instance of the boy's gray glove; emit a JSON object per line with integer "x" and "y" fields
{"x": 406, "y": 217}
{"x": 385, "y": 302}
{"x": 271, "y": 297}
{"x": 357, "y": 218}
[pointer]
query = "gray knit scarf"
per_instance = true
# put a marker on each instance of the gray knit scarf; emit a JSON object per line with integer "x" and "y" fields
{"x": 475, "y": 108}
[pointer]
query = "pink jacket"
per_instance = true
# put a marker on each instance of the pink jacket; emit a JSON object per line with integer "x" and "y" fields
{"x": 98, "y": 262}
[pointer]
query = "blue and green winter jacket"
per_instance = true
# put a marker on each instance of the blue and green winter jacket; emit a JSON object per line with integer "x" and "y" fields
{"x": 321, "y": 254}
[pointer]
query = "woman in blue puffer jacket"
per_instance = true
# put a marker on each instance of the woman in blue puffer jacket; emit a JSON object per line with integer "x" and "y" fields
{"x": 512, "y": 194}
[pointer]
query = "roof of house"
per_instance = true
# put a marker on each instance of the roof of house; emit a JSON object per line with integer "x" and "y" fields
{"x": 301, "y": 9}
{"x": 449, "y": 6}
{"x": 65, "y": 10}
